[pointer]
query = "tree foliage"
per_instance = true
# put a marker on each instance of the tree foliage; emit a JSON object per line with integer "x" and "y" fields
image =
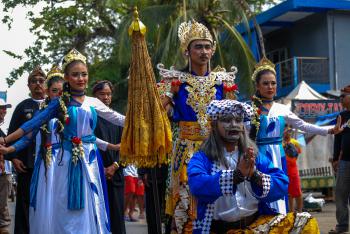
{"x": 98, "y": 28}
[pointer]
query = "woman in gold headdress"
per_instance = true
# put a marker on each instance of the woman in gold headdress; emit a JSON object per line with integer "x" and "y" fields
{"x": 270, "y": 119}
{"x": 186, "y": 94}
{"x": 79, "y": 198}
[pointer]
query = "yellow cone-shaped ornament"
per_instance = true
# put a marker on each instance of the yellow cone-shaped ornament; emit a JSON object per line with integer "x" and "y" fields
{"x": 146, "y": 138}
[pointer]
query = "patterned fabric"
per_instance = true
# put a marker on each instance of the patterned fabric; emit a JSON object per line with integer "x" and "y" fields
{"x": 208, "y": 182}
{"x": 226, "y": 182}
{"x": 93, "y": 217}
{"x": 219, "y": 108}
{"x": 266, "y": 183}
{"x": 269, "y": 139}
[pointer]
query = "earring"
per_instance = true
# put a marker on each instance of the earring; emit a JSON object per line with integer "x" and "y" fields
{"x": 189, "y": 65}
{"x": 209, "y": 66}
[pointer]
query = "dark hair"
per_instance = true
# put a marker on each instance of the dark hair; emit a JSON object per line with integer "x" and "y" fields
{"x": 261, "y": 73}
{"x": 257, "y": 100}
{"x": 99, "y": 85}
{"x": 61, "y": 117}
{"x": 54, "y": 79}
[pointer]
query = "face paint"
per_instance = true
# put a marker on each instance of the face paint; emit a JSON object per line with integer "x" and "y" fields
{"x": 230, "y": 128}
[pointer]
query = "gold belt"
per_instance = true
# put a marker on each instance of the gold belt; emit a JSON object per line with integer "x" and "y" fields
{"x": 191, "y": 131}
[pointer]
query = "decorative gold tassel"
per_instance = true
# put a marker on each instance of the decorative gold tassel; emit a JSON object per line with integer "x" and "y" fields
{"x": 146, "y": 138}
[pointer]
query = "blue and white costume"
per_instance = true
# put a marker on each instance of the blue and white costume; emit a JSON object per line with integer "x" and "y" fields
{"x": 217, "y": 196}
{"x": 76, "y": 194}
{"x": 270, "y": 135}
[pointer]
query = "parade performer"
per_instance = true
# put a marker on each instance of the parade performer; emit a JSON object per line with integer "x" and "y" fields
{"x": 79, "y": 195}
{"x": 185, "y": 95}
{"x": 270, "y": 118}
{"x": 234, "y": 183}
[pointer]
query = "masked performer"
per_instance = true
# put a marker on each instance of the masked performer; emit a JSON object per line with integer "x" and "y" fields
{"x": 234, "y": 185}
{"x": 186, "y": 95}
{"x": 270, "y": 119}
{"x": 79, "y": 196}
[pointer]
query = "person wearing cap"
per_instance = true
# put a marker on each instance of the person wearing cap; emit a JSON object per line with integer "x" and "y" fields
{"x": 341, "y": 165}
{"x": 5, "y": 177}
{"x": 23, "y": 161}
{"x": 234, "y": 183}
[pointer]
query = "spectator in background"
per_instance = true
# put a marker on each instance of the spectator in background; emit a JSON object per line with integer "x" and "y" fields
{"x": 103, "y": 90}
{"x": 341, "y": 164}
{"x": 292, "y": 149}
{"x": 133, "y": 187}
{"x": 23, "y": 161}
{"x": 5, "y": 177}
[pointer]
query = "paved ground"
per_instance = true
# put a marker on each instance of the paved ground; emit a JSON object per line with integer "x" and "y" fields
{"x": 326, "y": 220}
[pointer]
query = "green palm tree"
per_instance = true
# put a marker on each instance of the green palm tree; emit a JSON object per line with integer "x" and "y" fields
{"x": 163, "y": 18}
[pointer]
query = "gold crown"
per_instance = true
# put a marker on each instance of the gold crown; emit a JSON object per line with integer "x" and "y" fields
{"x": 54, "y": 71}
{"x": 263, "y": 64}
{"x": 192, "y": 30}
{"x": 73, "y": 55}
{"x": 37, "y": 72}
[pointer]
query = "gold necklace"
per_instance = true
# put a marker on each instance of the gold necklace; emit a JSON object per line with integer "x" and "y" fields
{"x": 201, "y": 91}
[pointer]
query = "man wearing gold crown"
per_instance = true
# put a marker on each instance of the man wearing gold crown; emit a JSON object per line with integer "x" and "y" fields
{"x": 78, "y": 197}
{"x": 186, "y": 94}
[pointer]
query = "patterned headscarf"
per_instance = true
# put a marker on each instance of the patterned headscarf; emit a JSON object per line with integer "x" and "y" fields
{"x": 220, "y": 108}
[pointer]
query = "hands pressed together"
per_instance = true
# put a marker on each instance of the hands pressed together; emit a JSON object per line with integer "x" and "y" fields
{"x": 246, "y": 165}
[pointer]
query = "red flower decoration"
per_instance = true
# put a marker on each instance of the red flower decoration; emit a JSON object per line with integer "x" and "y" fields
{"x": 258, "y": 111}
{"x": 76, "y": 140}
{"x": 47, "y": 145}
{"x": 162, "y": 81}
{"x": 175, "y": 83}
{"x": 60, "y": 93}
{"x": 230, "y": 88}
{"x": 225, "y": 87}
{"x": 234, "y": 87}
{"x": 67, "y": 120}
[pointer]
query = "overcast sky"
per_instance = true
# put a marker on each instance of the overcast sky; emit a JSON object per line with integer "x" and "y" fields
{"x": 16, "y": 40}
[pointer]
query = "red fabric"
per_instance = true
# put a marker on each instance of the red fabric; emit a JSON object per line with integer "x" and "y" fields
{"x": 130, "y": 184}
{"x": 140, "y": 188}
{"x": 294, "y": 187}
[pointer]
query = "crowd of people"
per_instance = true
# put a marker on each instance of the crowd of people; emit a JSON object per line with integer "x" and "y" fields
{"x": 232, "y": 168}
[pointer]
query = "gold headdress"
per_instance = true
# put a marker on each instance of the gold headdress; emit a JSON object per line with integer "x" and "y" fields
{"x": 192, "y": 30}
{"x": 37, "y": 72}
{"x": 263, "y": 64}
{"x": 73, "y": 55}
{"x": 54, "y": 71}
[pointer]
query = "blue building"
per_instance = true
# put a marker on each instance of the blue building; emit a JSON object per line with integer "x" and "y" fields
{"x": 307, "y": 40}
{"x": 3, "y": 95}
